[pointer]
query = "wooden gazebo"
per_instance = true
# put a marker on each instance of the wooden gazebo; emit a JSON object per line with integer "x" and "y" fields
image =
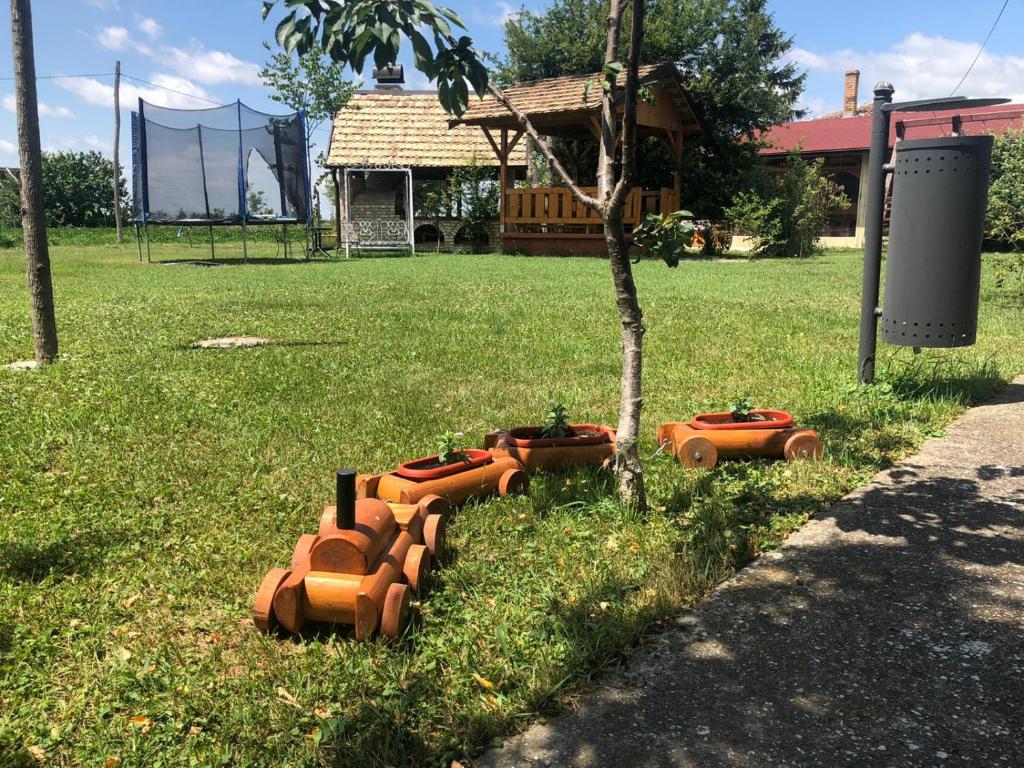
{"x": 549, "y": 219}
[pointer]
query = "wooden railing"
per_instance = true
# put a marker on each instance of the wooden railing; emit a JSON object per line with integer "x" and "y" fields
{"x": 556, "y": 206}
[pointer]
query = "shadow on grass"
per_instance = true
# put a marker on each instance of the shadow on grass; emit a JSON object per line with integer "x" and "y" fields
{"x": 28, "y": 563}
{"x": 903, "y": 632}
{"x": 253, "y": 261}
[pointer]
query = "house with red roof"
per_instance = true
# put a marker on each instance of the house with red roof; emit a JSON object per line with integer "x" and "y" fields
{"x": 842, "y": 139}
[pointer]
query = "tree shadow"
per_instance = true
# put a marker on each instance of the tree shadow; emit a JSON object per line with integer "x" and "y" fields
{"x": 888, "y": 634}
{"x": 32, "y": 563}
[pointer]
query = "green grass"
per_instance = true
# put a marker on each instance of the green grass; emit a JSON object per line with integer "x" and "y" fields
{"x": 146, "y": 487}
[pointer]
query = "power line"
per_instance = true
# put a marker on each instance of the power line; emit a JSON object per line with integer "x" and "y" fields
{"x": 172, "y": 90}
{"x": 980, "y": 50}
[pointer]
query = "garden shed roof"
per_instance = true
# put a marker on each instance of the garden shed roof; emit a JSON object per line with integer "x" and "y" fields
{"x": 407, "y": 128}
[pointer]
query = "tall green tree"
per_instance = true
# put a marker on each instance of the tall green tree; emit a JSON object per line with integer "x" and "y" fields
{"x": 77, "y": 189}
{"x": 312, "y": 82}
{"x": 732, "y": 57}
{"x": 352, "y": 31}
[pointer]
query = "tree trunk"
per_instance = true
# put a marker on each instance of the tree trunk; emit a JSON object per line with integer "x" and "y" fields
{"x": 33, "y": 213}
{"x": 117, "y": 152}
{"x": 629, "y": 469}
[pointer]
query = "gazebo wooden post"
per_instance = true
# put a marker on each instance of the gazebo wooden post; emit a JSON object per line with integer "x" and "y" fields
{"x": 503, "y": 178}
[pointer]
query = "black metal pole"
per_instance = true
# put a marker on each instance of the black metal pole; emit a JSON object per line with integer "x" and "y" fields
{"x": 875, "y": 211}
{"x": 345, "y": 511}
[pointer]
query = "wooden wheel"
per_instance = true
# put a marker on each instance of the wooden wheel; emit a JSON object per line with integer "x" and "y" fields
{"x": 417, "y": 567}
{"x": 396, "y": 611}
{"x": 513, "y": 482}
{"x": 263, "y": 605}
{"x": 435, "y": 505}
{"x": 302, "y": 548}
{"x": 803, "y": 446}
{"x": 696, "y": 452}
{"x": 435, "y": 535}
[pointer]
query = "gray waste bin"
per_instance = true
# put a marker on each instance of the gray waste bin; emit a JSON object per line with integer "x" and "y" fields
{"x": 933, "y": 270}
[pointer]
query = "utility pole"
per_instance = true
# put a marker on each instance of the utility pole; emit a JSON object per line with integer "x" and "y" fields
{"x": 117, "y": 142}
{"x": 33, "y": 213}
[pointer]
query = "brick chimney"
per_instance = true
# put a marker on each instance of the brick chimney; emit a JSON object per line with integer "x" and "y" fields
{"x": 850, "y": 92}
{"x": 390, "y": 78}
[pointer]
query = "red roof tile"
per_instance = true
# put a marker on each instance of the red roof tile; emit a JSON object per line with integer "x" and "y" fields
{"x": 844, "y": 134}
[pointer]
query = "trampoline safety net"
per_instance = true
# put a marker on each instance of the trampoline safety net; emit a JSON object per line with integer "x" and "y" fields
{"x": 223, "y": 165}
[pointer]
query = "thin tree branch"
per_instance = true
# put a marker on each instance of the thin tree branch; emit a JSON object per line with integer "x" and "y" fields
{"x": 608, "y": 124}
{"x": 527, "y": 126}
{"x": 629, "y": 108}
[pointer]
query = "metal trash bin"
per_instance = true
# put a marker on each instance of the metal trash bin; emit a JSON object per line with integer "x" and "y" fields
{"x": 933, "y": 270}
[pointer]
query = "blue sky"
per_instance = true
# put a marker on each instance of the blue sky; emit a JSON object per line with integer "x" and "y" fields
{"x": 212, "y": 51}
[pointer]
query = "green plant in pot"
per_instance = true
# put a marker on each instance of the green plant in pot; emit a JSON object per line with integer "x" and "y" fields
{"x": 451, "y": 448}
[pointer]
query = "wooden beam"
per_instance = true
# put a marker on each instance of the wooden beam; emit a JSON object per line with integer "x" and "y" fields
{"x": 493, "y": 143}
{"x": 503, "y": 176}
{"x": 515, "y": 140}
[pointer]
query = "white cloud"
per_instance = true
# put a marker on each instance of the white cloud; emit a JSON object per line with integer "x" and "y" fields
{"x": 496, "y": 16}
{"x": 92, "y": 91}
{"x": 8, "y": 147}
{"x": 105, "y": 5}
{"x": 921, "y": 66}
{"x": 210, "y": 67}
{"x": 44, "y": 110}
{"x": 150, "y": 27}
{"x": 113, "y": 38}
{"x": 78, "y": 144}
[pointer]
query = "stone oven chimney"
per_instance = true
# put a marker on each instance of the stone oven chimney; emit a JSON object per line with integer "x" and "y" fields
{"x": 389, "y": 78}
{"x": 850, "y": 92}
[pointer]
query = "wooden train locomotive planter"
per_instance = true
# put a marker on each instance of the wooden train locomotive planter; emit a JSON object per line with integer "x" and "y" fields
{"x": 479, "y": 476}
{"x": 589, "y": 444}
{"x": 361, "y": 567}
{"x": 711, "y": 436}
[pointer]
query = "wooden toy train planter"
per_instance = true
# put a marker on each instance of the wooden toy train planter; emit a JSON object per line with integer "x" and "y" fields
{"x": 361, "y": 567}
{"x": 480, "y": 475}
{"x": 588, "y": 444}
{"x": 711, "y": 436}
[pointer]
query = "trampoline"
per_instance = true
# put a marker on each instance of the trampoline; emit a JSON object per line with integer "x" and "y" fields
{"x": 222, "y": 166}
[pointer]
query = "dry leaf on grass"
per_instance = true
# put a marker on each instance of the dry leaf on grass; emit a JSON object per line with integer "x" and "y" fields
{"x": 38, "y": 753}
{"x": 140, "y": 721}
{"x": 483, "y": 681}
{"x": 286, "y": 698}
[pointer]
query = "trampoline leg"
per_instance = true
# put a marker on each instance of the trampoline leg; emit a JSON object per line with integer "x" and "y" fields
{"x": 138, "y": 241}
{"x": 284, "y": 228}
{"x": 213, "y": 252}
{"x": 149, "y": 253}
{"x": 245, "y": 243}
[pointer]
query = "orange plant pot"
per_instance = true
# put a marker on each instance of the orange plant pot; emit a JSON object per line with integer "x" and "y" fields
{"x": 504, "y": 475}
{"x": 703, "y": 447}
{"x": 523, "y": 445}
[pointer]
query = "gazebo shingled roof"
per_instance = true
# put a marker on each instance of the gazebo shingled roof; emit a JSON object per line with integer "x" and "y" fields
{"x": 556, "y": 105}
{"x": 406, "y": 128}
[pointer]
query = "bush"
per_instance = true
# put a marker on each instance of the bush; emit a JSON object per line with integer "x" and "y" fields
{"x": 1005, "y": 220}
{"x": 788, "y": 216}
{"x": 476, "y": 193}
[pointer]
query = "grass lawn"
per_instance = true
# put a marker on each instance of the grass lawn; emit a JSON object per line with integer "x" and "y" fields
{"x": 146, "y": 487}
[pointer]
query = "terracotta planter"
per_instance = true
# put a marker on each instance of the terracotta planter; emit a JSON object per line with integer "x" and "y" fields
{"x": 703, "y": 447}
{"x": 360, "y": 569}
{"x": 430, "y": 469}
{"x": 772, "y": 420}
{"x": 593, "y": 446}
{"x": 502, "y": 475}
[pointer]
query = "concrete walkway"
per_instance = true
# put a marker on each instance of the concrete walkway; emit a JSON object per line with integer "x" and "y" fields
{"x": 888, "y": 631}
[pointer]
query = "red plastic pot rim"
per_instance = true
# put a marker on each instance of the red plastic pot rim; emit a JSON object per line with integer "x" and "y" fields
{"x": 773, "y": 420}
{"x": 418, "y": 469}
{"x": 519, "y": 437}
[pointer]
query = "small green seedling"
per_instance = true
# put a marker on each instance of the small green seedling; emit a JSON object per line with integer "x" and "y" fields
{"x": 743, "y": 411}
{"x": 556, "y": 420}
{"x": 451, "y": 448}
